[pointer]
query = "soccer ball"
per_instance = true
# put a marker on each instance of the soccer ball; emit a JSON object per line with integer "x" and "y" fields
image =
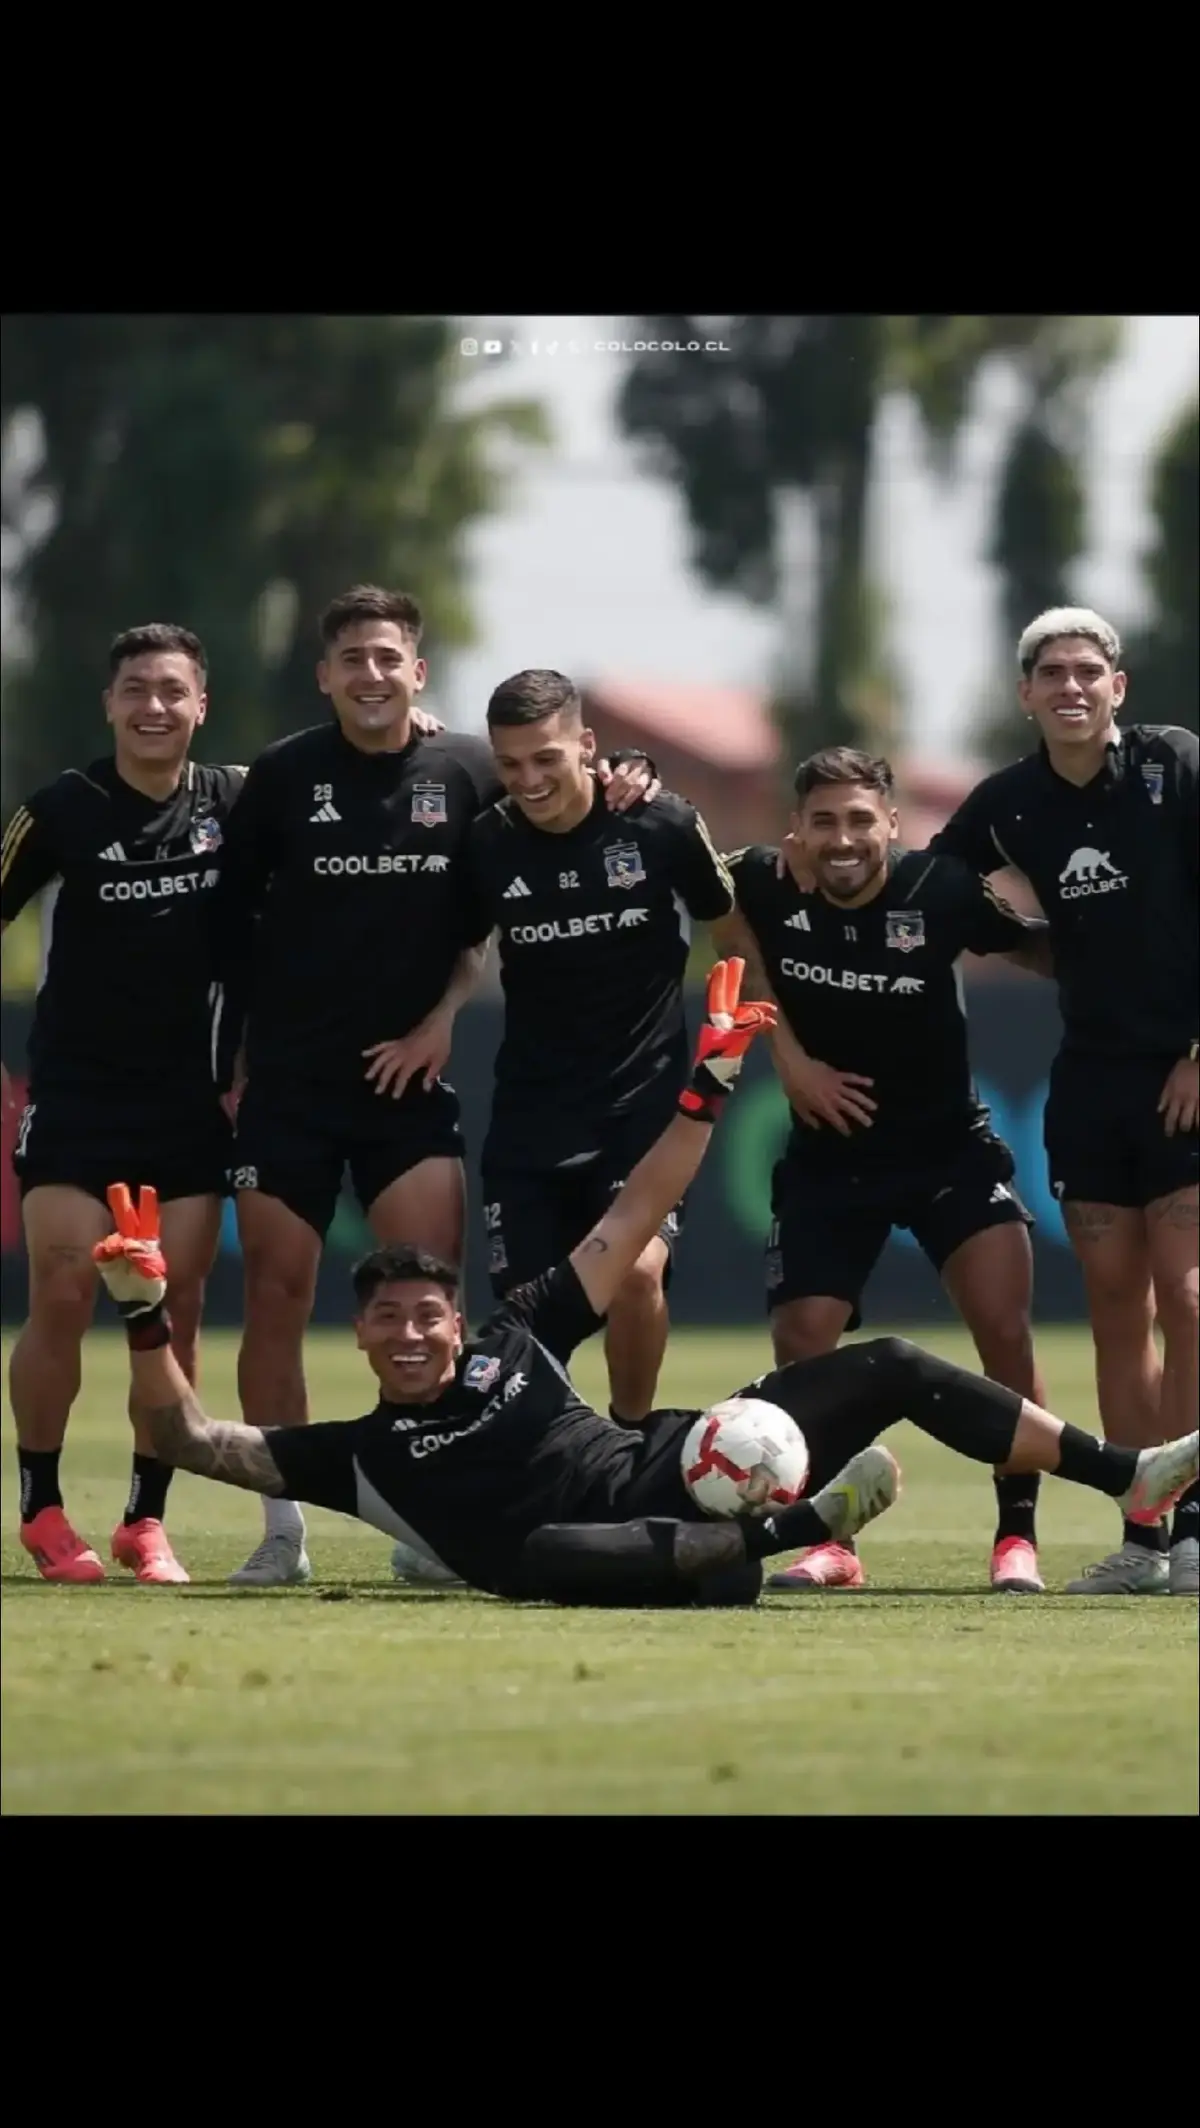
{"x": 745, "y": 1457}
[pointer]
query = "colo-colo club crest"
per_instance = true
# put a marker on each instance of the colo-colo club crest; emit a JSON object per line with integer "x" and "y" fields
{"x": 429, "y": 805}
{"x": 623, "y": 864}
{"x": 905, "y": 931}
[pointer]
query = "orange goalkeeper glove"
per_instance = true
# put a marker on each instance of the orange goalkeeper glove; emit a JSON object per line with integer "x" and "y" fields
{"x": 134, "y": 1269}
{"x": 728, "y": 1030}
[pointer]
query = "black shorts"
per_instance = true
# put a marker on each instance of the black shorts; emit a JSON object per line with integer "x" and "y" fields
{"x": 295, "y": 1143}
{"x": 1104, "y": 1137}
{"x": 827, "y": 1235}
{"x": 83, "y": 1141}
{"x": 534, "y": 1219}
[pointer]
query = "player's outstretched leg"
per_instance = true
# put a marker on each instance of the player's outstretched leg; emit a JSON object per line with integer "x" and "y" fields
{"x": 873, "y": 1386}
{"x": 663, "y": 1563}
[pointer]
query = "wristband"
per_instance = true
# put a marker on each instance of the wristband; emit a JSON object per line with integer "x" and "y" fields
{"x": 147, "y": 1329}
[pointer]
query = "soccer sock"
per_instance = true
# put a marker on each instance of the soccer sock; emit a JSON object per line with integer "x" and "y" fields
{"x": 1016, "y": 1506}
{"x": 792, "y": 1529}
{"x": 1186, "y": 1521}
{"x": 284, "y": 1519}
{"x": 1083, "y": 1460}
{"x": 39, "y": 1480}
{"x": 147, "y": 1500}
{"x": 1152, "y": 1537}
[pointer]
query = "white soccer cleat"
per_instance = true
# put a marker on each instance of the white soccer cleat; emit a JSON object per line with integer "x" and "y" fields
{"x": 868, "y": 1485}
{"x": 1183, "y": 1577}
{"x": 277, "y": 1563}
{"x": 420, "y": 1570}
{"x": 1131, "y": 1571}
{"x": 1163, "y": 1473}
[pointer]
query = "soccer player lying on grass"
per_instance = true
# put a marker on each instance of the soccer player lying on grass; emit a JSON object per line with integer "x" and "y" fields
{"x": 481, "y": 1452}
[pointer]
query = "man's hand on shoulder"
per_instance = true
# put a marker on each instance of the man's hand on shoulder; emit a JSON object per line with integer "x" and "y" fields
{"x": 631, "y": 781}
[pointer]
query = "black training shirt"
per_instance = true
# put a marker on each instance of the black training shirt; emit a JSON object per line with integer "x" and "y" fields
{"x": 594, "y": 932}
{"x": 340, "y": 914}
{"x": 506, "y": 1447}
{"x": 125, "y": 999}
{"x": 877, "y": 990}
{"x": 1114, "y": 866}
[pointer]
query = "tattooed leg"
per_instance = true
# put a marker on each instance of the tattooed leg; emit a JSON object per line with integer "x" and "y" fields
{"x": 1111, "y": 1245}
{"x": 1173, "y": 1233}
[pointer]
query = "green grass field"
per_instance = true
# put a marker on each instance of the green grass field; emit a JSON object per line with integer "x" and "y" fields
{"x": 922, "y": 1694}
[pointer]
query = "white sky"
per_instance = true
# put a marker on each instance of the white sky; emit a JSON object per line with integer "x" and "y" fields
{"x": 587, "y": 570}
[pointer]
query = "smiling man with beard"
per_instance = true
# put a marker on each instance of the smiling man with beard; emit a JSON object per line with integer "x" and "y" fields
{"x": 121, "y": 1075}
{"x": 887, "y": 1129}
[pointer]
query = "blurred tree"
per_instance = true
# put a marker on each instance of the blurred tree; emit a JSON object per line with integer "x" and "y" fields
{"x": 1163, "y": 657}
{"x": 232, "y": 473}
{"x": 792, "y": 408}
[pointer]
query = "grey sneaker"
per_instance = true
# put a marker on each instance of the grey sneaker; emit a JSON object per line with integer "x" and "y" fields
{"x": 1132, "y": 1571}
{"x": 1184, "y": 1567}
{"x": 276, "y": 1563}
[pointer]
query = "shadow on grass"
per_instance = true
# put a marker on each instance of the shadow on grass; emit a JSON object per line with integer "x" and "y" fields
{"x": 312, "y": 1592}
{"x": 387, "y": 1592}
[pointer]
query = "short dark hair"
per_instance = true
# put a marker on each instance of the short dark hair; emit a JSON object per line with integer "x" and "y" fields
{"x": 844, "y": 764}
{"x": 527, "y": 697}
{"x": 156, "y": 635}
{"x": 398, "y": 1264}
{"x": 370, "y": 602}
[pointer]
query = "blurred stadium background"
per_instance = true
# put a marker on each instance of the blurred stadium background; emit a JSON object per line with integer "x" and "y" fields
{"x": 783, "y": 533}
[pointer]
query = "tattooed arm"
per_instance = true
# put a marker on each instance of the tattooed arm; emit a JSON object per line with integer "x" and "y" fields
{"x": 187, "y": 1439}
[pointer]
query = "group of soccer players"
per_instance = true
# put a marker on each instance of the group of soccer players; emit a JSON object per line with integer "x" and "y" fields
{"x": 252, "y": 983}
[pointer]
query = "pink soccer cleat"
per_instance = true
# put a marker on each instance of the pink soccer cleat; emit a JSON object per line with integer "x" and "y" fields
{"x": 57, "y": 1551}
{"x": 827, "y": 1566}
{"x": 1015, "y": 1567}
{"x": 145, "y": 1549}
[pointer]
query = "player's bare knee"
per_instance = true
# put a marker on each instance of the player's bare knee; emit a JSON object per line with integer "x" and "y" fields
{"x": 1178, "y": 1303}
{"x": 62, "y": 1292}
{"x": 184, "y": 1303}
{"x": 279, "y": 1293}
{"x": 804, "y": 1329}
{"x": 1003, "y": 1336}
{"x": 1121, "y": 1321}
